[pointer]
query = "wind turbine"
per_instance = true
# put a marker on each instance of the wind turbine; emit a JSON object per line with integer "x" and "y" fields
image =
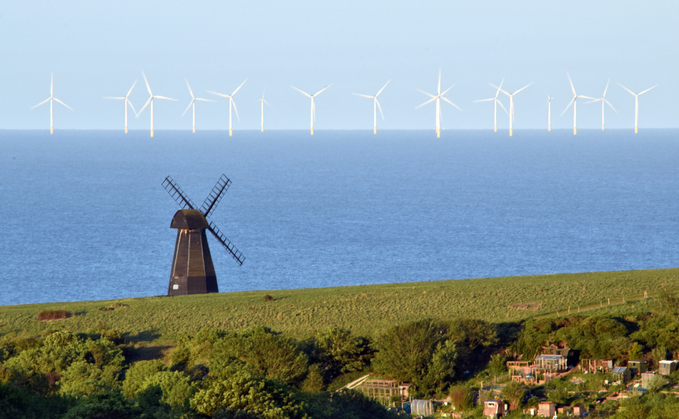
{"x": 263, "y": 101}
{"x": 574, "y": 101}
{"x": 511, "y": 106}
{"x": 51, "y": 100}
{"x": 127, "y": 102}
{"x": 232, "y": 104}
{"x": 636, "y": 104}
{"x": 438, "y": 97}
{"x": 313, "y": 104}
{"x": 376, "y": 105}
{"x": 603, "y": 101}
{"x": 496, "y": 102}
{"x": 548, "y": 105}
{"x": 151, "y": 99}
{"x": 193, "y": 104}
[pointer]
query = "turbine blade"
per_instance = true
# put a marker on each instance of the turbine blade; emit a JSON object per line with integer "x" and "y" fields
{"x": 63, "y": 103}
{"x": 233, "y": 102}
{"x": 630, "y": 92}
{"x": 147, "y": 84}
{"x": 188, "y": 107}
{"x": 499, "y": 88}
{"x": 606, "y": 89}
{"x": 569, "y": 105}
{"x": 485, "y": 100}
{"x": 571, "y": 82}
{"x": 301, "y": 91}
{"x": 648, "y": 89}
{"x": 238, "y": 88}
{"x": 218, "y": 94}
{"x": 385, "y": 85}
{"x": 144, "y": 107}
{"x": 369, "y": 97}
{"x": 133, "y": 84}
{"x": 502, "y": 106}
{"x": 190, "y": 91}
{"x": 451, "y": 103}
{"x": 609, "y": 104}
{"x": 585, "y": 97}
{"x": 430, "y": 95}
{"x": 522, "y": 88}
{"x": 42, "y": 103}
{"x": 323, "y": 89}
{"x": 433, "y": 98}
{"x": 379, "y": 107}
{"x": 200, "y": 99}
{"x": 115, "y": 98}
{"x": 447, "y": 90}
{"x": 129, "y": 102}
{"x": 166, "y": 98}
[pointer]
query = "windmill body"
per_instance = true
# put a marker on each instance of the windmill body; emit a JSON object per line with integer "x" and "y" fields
{"x": 438, "y": 98}
{"x": 262, "y": 101}
{"x": 376, "y": 105}
{"x": 192, "y": 269}
{"x": 126, "y": 102}
{"x": 548, "y": 105}
{"x": 495, "y": 101}
{"x": 151, "y": 99}
{"x": 313, "y": 103}
{"x": 604, "y": 102}
{"x": 574, "y": 102}
{"x": 192, "y": 104}
{"x": 511, "y": 106}
{"x": 232, "y": 105}
{"x": 636, "y": 104}
{"x": 51, "y": 100}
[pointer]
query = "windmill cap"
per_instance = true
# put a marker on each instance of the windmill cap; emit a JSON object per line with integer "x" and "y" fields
{"x": 189, "y": 219}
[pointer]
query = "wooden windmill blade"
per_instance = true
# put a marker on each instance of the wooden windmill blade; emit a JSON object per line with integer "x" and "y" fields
{"x": 226, "y": 243}
{"x": 177, "y": 194}
{"x": 215, "y": 196}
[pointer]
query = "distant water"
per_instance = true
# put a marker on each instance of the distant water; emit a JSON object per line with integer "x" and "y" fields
{"x": 85, "y": 217}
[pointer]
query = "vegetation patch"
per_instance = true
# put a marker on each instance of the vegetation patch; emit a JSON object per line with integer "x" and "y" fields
{"x": 53, "y": 315}
{"x": 526, "y": 306}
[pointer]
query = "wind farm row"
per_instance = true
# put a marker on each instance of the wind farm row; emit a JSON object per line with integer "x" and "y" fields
{"x": 437, "y": 98}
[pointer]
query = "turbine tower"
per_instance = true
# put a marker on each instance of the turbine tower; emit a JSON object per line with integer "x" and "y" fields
{"x": 313, "y": 103}
{"x": 496, "y": 102}
{"x": 548, "y": 105}
{"x": 603, "y": 101}
{"x": 574, "y": 101}
{"x": 51, "y": 100}
{"x": 151, "y": 99}
{"x": 263, "y": 101}
{"x": 127, "y": 102}
{"x": 511, "y": 106}
{"x": 376, "y": 105}
{"x": 232, "y": 105}
{"x": 636, "y": 104}
{"x": 438, "y": 97}
{"x": 193, "y": 104}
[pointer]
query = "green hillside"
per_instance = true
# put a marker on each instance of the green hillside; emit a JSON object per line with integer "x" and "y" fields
{"x": 365, "y": 310}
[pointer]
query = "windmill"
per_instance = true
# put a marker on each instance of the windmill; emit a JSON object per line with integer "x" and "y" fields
{"x": 604, "y": 102}
{"x": 192, "y": 269}
{"x": 232, "y": 104}
{"x": 127, "y": 102}
{"x": 511, "y": 106}
{"x": 313, "y": 103}
{"x": 193, "y": 104}
{"x": 51, "y": 100}
{"x": 548, "y": 105}
{"x": 438, "y": 97}
{"x": 636, "y": 104}
{"x": 376, "y": 105}
{"x": 263, "y": 101}
{"x": 496, "y": 102}
{"x": 150, "y": 100}
{"x": 574, "y": 101}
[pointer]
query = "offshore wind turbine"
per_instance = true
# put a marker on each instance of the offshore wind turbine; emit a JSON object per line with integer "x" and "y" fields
{"x": 603, "y": 101}
{"x": 496, "y": 102}
{"x": 151, "y": 99}
{"x": 511, "y": 105}
{"x": 313, "y": 103}
{"x": 263, "y": 101}
{"x": 636, "y": 104}
{"x": 127, "y": 102}
{"x": 574, "y": 102}
{"x": 232, "y": 105}
{"x": 438, "y": 97}
{"x": 51, "y": 100}
{"x": 548, "y": 105}
{"x": 376, "y": 105}
{"x": 193, "y": 104}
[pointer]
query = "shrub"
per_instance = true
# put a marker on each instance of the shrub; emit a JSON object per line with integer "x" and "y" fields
{"x": 267, "y": 297}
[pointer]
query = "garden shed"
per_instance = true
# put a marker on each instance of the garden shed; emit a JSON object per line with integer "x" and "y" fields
{"x": 667, "y": 367}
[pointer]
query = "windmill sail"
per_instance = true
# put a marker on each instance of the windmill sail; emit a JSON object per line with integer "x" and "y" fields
{"x": 226, "y": 243}
{"x": 177, "y": 194}
{"x": 216, "y": 195}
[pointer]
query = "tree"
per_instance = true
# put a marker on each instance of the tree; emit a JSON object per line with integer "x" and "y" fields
{"x": 635, "y": 352}
{"x": 498, "y": 364}
{"x": 461, "y": 397}
{"x": 514, "y": 392}
{"x": 138, "y": 373}
{"x": 175, "y": 385}
{"x": 339, "y": 352}
{"x": 110, "y": 405}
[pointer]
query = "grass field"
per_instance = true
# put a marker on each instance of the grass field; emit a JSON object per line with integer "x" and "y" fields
{"x": 365, "y": 310}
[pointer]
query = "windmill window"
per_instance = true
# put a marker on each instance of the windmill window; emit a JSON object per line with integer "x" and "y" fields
{"x": 175, "y": 287}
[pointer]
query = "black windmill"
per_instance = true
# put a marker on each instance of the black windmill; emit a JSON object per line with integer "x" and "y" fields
{"x": 192, "y": 268}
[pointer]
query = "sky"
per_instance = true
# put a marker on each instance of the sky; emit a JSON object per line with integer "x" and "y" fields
{"x": 98, "y": 49}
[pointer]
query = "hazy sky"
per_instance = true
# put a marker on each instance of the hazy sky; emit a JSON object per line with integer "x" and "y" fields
{"x": 98, "y": 49}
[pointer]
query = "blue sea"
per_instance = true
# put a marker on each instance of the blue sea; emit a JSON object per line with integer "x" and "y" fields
{"x": 85, "y": 216}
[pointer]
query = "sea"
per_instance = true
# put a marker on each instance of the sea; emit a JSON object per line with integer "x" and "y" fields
{"x": 85, "y": 216}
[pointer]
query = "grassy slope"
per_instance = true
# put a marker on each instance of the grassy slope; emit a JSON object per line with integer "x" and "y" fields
{"x": 366, "y": 310}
